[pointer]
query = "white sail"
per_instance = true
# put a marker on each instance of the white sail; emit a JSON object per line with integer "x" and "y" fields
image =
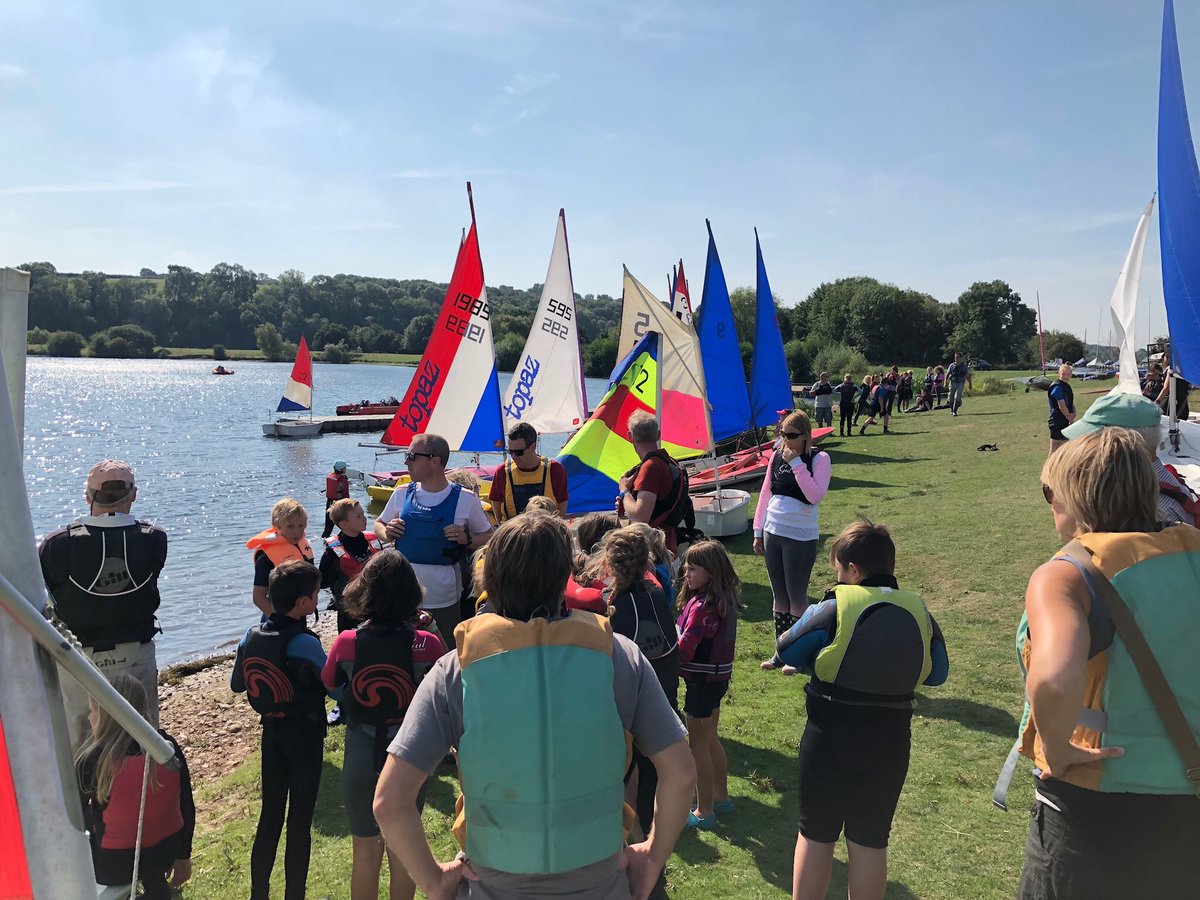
{"x": 1123, "y": 306}
{"x": 547, "y": 389}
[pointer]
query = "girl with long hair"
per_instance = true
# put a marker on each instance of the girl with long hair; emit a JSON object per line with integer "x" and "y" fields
{"x": 374, "y": 670}
{"x": 708, "y": 602}
{"x": 111, "y": 766}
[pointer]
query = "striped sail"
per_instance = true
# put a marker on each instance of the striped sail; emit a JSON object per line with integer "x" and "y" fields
{"x": 547, "y": 389}
{"x": 297, "y": 396}
{"x": 601, "y": 452}
{"x": 455, "y": 391}
{"x": 686, "y": 431}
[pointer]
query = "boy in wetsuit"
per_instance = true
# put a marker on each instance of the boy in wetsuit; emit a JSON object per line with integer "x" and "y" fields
{"x": 867, "y": 646}
{"x": 278, "y": 666}
{"x": 846, "y": 392}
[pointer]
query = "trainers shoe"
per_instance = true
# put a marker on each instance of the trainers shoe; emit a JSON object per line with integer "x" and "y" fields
{"x": 704, "y": 823}
{"x": 334, "y": 716}
{"x": 790, "y": 670}
{"x": 769, "y": 664}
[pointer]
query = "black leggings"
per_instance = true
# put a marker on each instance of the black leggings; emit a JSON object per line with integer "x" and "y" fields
{"x": 293, "y": 751}
{"x": 846, "y": 419}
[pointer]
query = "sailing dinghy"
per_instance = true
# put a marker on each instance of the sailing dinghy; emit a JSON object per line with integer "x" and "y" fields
{"x": 297, "y": 397}
{"x": 456, "y": 389}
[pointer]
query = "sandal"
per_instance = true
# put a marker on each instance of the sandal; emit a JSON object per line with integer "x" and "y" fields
{"x": 704, "y": 823}
{"x": 723, "y": 807}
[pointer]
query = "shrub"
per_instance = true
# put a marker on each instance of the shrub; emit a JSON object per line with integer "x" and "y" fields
{"x": 838, "y": 359}
{"x": 122, "y": 342}
{"x": 37, "y": 336}
{"x": 797, "y": 361}
{"x": 337, "y": 353}
{"x": 987, "y": 385}
{"x": 219, "y": 352}
{"x": 65, "y": 343}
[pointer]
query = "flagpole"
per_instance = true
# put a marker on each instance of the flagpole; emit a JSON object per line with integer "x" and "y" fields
{"x": 1041, "y": 332}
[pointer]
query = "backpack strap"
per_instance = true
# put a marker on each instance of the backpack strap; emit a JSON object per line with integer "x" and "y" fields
{"x": 1147, "y": 666}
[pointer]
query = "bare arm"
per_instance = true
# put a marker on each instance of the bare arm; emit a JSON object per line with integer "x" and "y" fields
{"x": 261, "y": 600}
{"x": 1057, "y": 605}
{"x": 672, "y": 801}
{"x": 395, "y": 809}
{"x": 1065, "y": 410}
{"x": 641, "y": 509}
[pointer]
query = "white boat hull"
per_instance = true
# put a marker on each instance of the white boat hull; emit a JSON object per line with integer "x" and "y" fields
{"x": 292, "y": 428}
{"x": 724, "y": 515}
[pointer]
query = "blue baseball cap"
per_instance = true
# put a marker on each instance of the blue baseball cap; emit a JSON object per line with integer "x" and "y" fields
{"x": 339, "y": 465}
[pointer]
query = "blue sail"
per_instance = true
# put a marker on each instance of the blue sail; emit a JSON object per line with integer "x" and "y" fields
{"x": 770, "y": 383}
{"x": 720, "y": 352}
{"x": 1178, "y": 208}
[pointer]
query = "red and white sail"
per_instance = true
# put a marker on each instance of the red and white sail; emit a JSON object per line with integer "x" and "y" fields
{"x": 297, "y": 396}
{"x": 455, "y": 391}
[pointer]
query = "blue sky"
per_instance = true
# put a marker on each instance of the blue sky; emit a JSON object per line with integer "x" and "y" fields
{"x": 930, "y": 144}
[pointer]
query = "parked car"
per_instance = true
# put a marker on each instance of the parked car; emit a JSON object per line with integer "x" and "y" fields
{"x": 981, "y": 365}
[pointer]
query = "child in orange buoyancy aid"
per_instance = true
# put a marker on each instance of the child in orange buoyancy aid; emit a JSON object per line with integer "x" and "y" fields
{"x": 110, "y": 767}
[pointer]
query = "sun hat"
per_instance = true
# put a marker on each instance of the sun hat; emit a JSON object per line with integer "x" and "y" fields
{"x": 1122, "y": 410}
{"x": 339, "y": 465}
{"x": 110, "y": 482}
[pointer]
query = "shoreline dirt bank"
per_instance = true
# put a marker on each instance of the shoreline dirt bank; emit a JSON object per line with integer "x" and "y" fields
{"x": 216, "y": 728}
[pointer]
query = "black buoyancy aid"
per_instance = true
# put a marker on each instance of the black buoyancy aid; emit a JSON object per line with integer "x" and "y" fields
{"x": 164, "y": 813}
{"x": 517, "y": 496}
{"x": 382, "y": 682}
{"x": 674, "y": 508}
{"x": 1056, "y": 414}
{"x": 109, "y": 593}
{"x": 275, "y": 684}
{"x": 783, "y": 478}
{"x": 654, "y": 633}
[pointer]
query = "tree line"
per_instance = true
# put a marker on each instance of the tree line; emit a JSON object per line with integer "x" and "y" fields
{"x": 840, "y": 324}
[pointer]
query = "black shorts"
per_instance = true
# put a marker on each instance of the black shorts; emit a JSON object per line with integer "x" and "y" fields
{"x": 853, "y": 762}
{"x": 1111, "y": 845}
{"x": 1057, "y": 424}
{"x": 702, "y": 698}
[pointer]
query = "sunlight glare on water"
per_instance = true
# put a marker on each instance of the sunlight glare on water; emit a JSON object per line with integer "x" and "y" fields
{"x": 205, "y": 472}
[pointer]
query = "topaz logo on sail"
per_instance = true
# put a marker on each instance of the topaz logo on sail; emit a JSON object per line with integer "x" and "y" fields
{"x": 522, "y": 396}
{"x": 420, "y": 407}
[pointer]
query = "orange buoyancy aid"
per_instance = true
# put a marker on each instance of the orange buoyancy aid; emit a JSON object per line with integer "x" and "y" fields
{"x": 277, "y": 549}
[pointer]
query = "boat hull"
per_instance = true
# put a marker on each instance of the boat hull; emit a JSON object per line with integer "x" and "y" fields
{"x": 367, "y": 409}
{"x": 292, "y": 428}
{"x": 722, "y": 514}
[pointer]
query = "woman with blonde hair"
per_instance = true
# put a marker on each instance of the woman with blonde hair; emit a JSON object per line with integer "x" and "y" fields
{"x": 785, "y": 522}
{"x": 1115, "y": 803}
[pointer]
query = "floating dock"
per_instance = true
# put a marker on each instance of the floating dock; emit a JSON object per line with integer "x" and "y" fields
{"x": 350, "y": 424}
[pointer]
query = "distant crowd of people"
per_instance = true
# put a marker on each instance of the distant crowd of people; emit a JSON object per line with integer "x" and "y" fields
{"x": 459, "y": 641}
{"x": 881, "y": 394}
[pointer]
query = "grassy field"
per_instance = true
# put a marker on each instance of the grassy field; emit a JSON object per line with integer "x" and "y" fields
{"x": 970, "y": 527}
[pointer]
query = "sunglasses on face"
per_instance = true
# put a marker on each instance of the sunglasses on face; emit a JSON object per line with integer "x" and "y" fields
{"x": 792, "y": 435}
{"x": 1047, "y": 493}
{"x": 410, "y": 456}
{"x": 517, "y": 452}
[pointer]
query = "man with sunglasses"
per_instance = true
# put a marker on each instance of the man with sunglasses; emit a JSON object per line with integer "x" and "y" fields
{"x": 526, "y": 475}
{"x": 433, "y": 523}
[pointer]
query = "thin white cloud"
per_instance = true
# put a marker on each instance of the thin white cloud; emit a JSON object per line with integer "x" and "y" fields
{"x": 96, "y": 187}
{"x": 10, "y": 70}
{"x": 521, "y": 99}
{"x": 450, "y": 172}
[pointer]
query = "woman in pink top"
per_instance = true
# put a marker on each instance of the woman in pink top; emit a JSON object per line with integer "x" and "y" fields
{"x": 785, "y": 522}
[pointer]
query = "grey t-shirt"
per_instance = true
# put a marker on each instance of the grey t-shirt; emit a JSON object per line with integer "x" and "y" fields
{"x": 433, "y": 724}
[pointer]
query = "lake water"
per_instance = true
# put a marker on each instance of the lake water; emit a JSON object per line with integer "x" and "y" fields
{"x": 205, "y": 471}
